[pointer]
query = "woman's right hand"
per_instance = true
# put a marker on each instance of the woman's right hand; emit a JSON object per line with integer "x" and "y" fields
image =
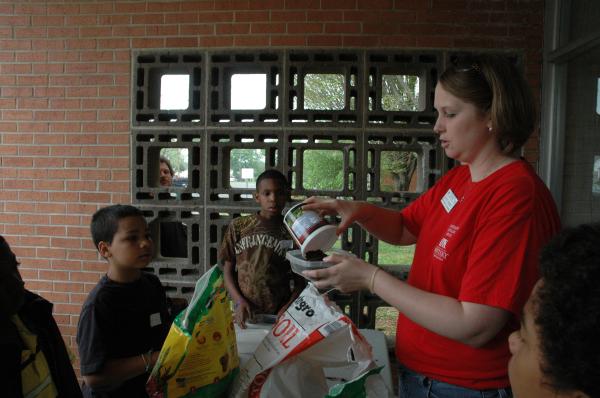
{"x": 349, "y": 211}
{"x": 242, "y": 312}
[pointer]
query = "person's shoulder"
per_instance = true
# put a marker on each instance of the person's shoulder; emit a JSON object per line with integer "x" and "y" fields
{"x": 99, "y": 293}
{"x": 151, "y": 278}
{"x": 244, "y": 222}
{"x": 519, "y": 178}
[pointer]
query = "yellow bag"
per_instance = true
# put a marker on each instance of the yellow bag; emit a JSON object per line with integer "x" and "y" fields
{"x": 199, "y": 357}
{"x": 36, "y": 379}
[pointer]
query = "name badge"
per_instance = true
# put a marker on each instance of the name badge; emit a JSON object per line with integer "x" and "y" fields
{"x": 155, "y": 319}
{"x": 449, "y": 201}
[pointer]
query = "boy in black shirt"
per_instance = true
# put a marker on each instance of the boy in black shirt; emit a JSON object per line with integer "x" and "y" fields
{"x": 125, "y": 318}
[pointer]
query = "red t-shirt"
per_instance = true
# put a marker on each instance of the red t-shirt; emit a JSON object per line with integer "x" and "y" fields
{"x": 477, "y": 242}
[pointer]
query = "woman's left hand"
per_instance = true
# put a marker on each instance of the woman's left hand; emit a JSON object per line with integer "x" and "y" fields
{"x": 349, "y": 274}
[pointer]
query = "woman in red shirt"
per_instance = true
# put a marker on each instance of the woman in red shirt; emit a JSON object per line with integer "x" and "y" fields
{"x": 477, "y": 231}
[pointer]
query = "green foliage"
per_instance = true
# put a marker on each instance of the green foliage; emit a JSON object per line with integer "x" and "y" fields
{"x": 247, "y": 159}
{"x": 323, "y": 169}
{"x": 400, "y": 166}
{"x": 324, "y": 92}
{"x": 400, "y": 93}
{"x": 395, "y": 255}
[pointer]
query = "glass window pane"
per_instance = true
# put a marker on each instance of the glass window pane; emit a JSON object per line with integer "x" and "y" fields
{"x": 249, "y": 91}
{"x": 245, "y": 166}
{"x": 399, "y": 171}
{"x": 324, "y": 92}
{"x": 178, "y": 158}
{"x": 174, "y": 92}
{"x": 394, "y": 255}
{"x": 400, "y": 93}
{"x": 323, "y": 169}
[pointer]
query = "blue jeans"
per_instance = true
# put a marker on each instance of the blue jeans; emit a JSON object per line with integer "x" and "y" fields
{"x": 415, "y": 385}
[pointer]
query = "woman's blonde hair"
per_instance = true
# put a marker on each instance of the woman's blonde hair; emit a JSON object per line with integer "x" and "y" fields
{"x": 494, "y": 85}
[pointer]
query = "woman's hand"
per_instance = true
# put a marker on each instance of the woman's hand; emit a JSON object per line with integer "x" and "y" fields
{"x": 349, "y": 211}
{"x": 242, "y": 312}
{"x": 349, "y": 274}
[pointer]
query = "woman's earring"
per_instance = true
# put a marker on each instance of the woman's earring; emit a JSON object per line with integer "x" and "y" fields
{"x": 489, "y": 129}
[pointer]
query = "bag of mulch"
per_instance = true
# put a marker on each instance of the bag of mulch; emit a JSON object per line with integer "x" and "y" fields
{"x": 199, "y": 357}
{"x": 313, "y": 350}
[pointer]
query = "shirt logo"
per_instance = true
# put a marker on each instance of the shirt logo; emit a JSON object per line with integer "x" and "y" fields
{"x": 439, "y": 251}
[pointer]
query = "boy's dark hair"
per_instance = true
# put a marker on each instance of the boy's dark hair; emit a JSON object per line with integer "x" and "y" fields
{"x": 568, "y": 307}
{"x": 105, "y": 222}
{"x": 8, "y": 260}
{"x": 166, "y": 161}
{"x": 273, "y": 174}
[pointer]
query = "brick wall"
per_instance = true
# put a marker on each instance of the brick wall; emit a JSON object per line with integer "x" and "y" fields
{"x": 65, "y": 86}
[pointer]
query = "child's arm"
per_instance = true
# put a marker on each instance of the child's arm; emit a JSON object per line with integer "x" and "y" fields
{"x": 116, "y": 371}
{"x": 242, "y": 310}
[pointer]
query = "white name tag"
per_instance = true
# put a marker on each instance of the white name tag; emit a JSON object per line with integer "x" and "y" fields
{"x": 449, "y": 201}
{"x": 155, "y": 319}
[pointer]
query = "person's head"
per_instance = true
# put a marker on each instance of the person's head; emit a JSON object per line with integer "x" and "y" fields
{"x": 272, "y": 192}
{"x": 498, "y": 95}
{"x": 121, "y": 235}
{"x": 166, "y": 172}
{"x": 556, "y": 353}
{"x": 12, "y": 288}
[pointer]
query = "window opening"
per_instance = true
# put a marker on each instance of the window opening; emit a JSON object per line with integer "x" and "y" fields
{"x": 174, "y": 92}
{"x": 178, "y": 158}
{"x": 323, "y": 169}
{"x": 245, "y": 167}
{"x": 400, "y": 93}
{"x": 324, "y": 92}
{"x": 248, "y": 91}
{"x": 398, "y": 171}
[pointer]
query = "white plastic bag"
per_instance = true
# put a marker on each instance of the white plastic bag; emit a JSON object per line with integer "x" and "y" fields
{"x": 311, "y": 347}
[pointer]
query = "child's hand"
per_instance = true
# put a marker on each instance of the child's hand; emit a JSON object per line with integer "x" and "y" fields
{"x": 242, "y": 312}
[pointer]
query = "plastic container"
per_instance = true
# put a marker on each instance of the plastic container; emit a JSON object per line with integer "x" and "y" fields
{"x": 310, "y": 231}
{"x": 299, "y": 263}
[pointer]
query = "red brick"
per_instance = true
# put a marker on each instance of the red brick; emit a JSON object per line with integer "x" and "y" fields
{"x": 62, "y": 32}
{"x": 302, "y": 4}
{"x": 232, "y": 5}
{"x": 80, "y": 208}
{"x": 17, "y": 139}
{"x": 181, "y": 42}
{"x": 324, "y": 16}
{"x": 67, "y": 287}
{"x": 18, "y": 184}
{"x": 48, "y": 162}
{"x": 78, "y": 186}
{"x": 33, "y": 173}
{"x": 325, "y": 41}
{"x": 48, "y": 208}
{"x": 304, "y": 28}
{"x": 49, "y": 139}
{"x": 232, "y": 28}
{"x": 251, "y": 41}
{"x": 35, "y": 241}
{"x": 50, "y": 230}
{"x": 19, "y": 230}
{"x": 66, "y": 243}
{"x": 252, "y": 16}
{"x": 33, "y": 219}
{"x": 94, "y": 197}
{"x": 18, "y": 207}
{"x": 288, "y": 16}
{"x": 268, "y": 28}
{"x": 63, "y": 196}
{"x": 34, "y": 196}
{"x": 94, "y": 174}
{"x": 50, "y": 185}
{"x": 342, "y": 28}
